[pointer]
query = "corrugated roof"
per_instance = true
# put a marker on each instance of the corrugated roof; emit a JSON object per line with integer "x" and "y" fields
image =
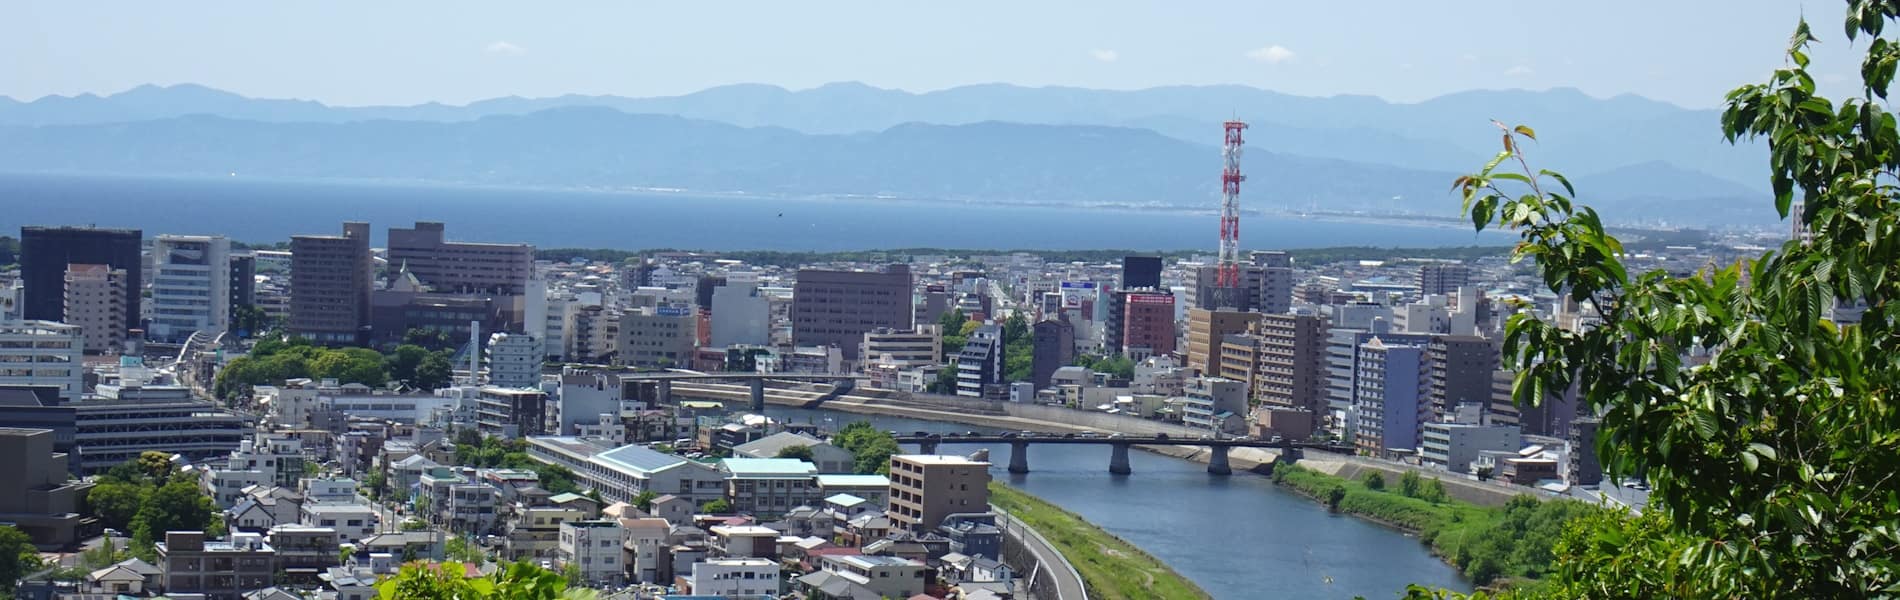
{"x": 639, "y": 459}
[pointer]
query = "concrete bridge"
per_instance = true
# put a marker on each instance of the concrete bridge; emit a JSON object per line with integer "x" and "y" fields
{"x": 1118, "y": 446}
{"x": 842, "y": 383}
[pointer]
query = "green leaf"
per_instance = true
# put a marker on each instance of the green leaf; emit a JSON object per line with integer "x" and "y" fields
{"x": 1526, "y": 131}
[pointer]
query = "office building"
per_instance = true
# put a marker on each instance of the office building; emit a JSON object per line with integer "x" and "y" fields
{"x": 1461, "y": 367}
{"x": 1442, "y": 278}
{"x": 593, "y": 548}
{"x": 216, "y": 570}
{"x": 980, "y": 364}
{"x": 1292, "y": 371}
{"x": 514, "y": 360}
{"x": 45, "y": 253}
{"x": 927, "y": 488}
{"x": 191, "y": 286}
{"x": 657, "y": 336}
{"x": 836, "y": 308}
{"x": 741, "y": 314}
{"x": 1391, "y": 386}
{"x": 511, "y": 412}
{"x": 35, "y": 353}
{"x": 1276, "y": 281}
{"x": 266, "y": 459}
{"x": 409, "y": 304}
{"x": 1206, "y": 330}
{"x": 1053, "y": 347}
{"x": 38, "y": 494}
{"x": 330, "y": 281}
{"x": 121, "y": 423}
{"x": 904, "y": 348}
{"x": 1141, "y": 272}
{"x": 1453, "y": 446}
{"x": 460, "y": 267}
{"x": 1147, "y": 325}
{"x": 1585, "y": 466}
{"x": 1215, "y": 404}
{"x": 95, "y": 303}
{"x": 243, "y": 284}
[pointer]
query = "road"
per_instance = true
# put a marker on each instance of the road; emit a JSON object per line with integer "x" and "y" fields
{"x": 1068, "y": 583}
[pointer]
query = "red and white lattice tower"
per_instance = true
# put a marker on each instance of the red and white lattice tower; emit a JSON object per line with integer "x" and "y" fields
{"x": 1230, "y": 178}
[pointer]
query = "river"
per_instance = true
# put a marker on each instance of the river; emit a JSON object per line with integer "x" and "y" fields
{"x": 1239, "y": 537}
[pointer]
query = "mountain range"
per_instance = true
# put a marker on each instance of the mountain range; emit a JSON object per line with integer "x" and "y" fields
{"x": 1635, "y": 158}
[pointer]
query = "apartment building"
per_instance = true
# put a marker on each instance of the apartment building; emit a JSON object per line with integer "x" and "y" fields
{"x": 595, "y": 548}
{"x": 191, "y": 286}
{"x": 1391, "y": 386}
{"x": 1205, "y": 331}
{"x": 511, "y": 412}
{"x": 330, "y": 281}
{"x": 836, "y": 308}
{"x": 43, "y": 353}
{"x": 1442, "y": 278}
{"x": 1292, "y": 362}
{"x": 768, "y": 487}
{"x": 217, "y": 570}
{"x": 514, "y": 360}
{"x": 657, "y": 336}
{"x": 45, "y": 253}
{"x": 926, "y": 488}
{"x": 95, "y": 303}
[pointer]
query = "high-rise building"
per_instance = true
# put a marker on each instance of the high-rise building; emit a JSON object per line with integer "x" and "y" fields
{"x": 1147, "y": 324}
{"x": 836, "y": 308}
{"x": 1275, "y": 273}
{"x": 1292, "y": 371}
{"x": 1342, "y": 363}
{"x": 740, "y": 314}
{"x": 1053, "y": 347}
{"x": 460, "y": 267}
{"x": 661, "y": 336}
{"x": 330, "y": 281}
{"x": 927, "y": 488}
{"x": 1442, "y": 278}
{"x": 46, "y": 251}
{"x": 1461, "y": 371}
{"x": 1141, "y": 272}
{"x": 243, "y": 280}
{"x": 1391, "y": 385}
{"x": 191, "y": 286}
{"x": 1206, "y": 330}
{"x": 95, "y": 302}
{"x": 514, "y": 360}
{"x": 980, "y": 365}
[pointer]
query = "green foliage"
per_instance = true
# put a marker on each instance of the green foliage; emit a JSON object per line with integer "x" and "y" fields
{"x": 1019, "y": 349}
{"x": 144, "y": 499}
{"x": 644, "y": 500}
{"x": 1373, "y": 481}
{"x": 447, "y": 581}
{"x": 953, "y": 336}
{"x": 428, "y": 339}
{"x": 872, "y": 449}
{"x": 799, "y": 452}
{"x": 716, "y": 507}
{"x": 9, "y": 250}
{"x": 556, "y": 479}
{"x": 1116, "y": 366}
{"x": 251, "y": 319}
{"x": 1410, "y": 484}
{"x": 1111, "y": 568}
{"x": 1334, "y": 496}
{"x": 946, "y": 381}
{"x": 272, "y": 361}
{"x": 460, "y": 549}
{"x": 17, "y": 556}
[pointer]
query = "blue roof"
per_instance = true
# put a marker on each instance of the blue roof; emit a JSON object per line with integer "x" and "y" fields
{"x": 639, "y": 458}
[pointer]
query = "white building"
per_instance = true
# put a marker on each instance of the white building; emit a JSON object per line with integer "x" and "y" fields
{"x": 1215, "y": 404}
{"x": 735, "y": 578}
{"x": 352, "y": 522}
{"x": 191, "y": 286}
{"x": 622, "y": 473}
{"x": 514, "y": 360}
{"x": 1453, "y": 446}
{"x": 740, "y": 314}
{"x": 595, "y": 547}
{"x": 43, "y": 353}
{"x": 267, "y": 460}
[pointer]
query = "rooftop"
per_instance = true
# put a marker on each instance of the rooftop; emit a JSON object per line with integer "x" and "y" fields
{"x": 832, "y": 480}
{"x": 639, "y": 459}
{"x": 767, "y": 467}
{"x": 938, "y": 459}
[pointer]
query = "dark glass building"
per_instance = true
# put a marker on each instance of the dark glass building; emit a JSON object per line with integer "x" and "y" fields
{"x": 45, "y": 252}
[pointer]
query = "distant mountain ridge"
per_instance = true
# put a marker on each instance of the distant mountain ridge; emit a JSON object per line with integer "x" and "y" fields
{"x": 1581, "y": 134}
{"x": 608, "y": 148}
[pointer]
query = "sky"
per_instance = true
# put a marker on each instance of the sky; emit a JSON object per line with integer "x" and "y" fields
{"x": 1687, "y": 52}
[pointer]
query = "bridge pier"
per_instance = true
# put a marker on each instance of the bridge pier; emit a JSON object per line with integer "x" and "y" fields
{"x": 758, "y": 395}
{"x": 1217, "y": 461}
{"x": 927, "y": 447}
{"x": 1019, "y": 457}
{"x": 1118, "y": 459}
{"x": 665, "y": 392}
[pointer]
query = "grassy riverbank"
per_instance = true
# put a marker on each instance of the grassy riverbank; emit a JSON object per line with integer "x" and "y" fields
{"x": 1111, "y": 568}
{"x": 1510, "y": 544}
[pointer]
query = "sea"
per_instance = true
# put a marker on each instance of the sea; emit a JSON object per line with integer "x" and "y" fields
{"x": 265, "y": 210}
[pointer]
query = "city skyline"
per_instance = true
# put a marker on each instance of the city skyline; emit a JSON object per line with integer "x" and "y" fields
{"x": 426, "y": 52}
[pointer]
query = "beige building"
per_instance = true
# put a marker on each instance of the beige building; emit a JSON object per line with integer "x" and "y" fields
{"x": 37, "y": 494}
{"x": 217, "y": 570}
{"x": 330, "y": 281}
{"x": 925, "y": 488}
{"x": 663, "y": 336}
{"x": 95, "y": 302}
{"x": 1206, "y": 331}
{"x": 1292, "y": 371}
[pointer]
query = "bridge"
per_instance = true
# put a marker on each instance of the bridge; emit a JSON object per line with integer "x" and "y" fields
{"x": 843, "y": 383}
{"x": 1118, "y": 446}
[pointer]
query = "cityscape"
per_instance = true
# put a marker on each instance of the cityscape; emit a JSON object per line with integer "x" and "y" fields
{"x": 1014, "y": 341}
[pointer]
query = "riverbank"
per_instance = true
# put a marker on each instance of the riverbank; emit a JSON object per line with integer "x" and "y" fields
{"x": 1506, "y": 546}
{"x": 1112, "y": 568}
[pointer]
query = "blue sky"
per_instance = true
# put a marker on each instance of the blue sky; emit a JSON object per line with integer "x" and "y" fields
{"x": 1688, "y": 52}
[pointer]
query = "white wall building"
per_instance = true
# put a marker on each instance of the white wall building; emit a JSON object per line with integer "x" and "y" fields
{"x": 514, "y": 360}
{"x": 43, "y": 353}
{"x": 595, "y": 547}
{"x": 191, "y": 286}
{"x": 1215, "y": 404}
{"x": 734, "y": 578}
{"x": 740, "y": 314}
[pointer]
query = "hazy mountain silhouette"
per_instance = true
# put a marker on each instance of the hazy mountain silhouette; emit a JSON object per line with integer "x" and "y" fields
{"x": 601, "y": 147}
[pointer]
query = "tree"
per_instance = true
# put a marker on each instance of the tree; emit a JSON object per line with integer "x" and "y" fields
{"x": 1433, "y": 491}
{"x": 1334, "y": 496}
{"x": 1772, "y": 462}
{"x": 403, "y": 361}
{"x": 571, "y": 572}
{"x": 1374, "y": 481}
{"x": 428, "y": 339}
{"x": 435, "y": 372}
{"x": 799, "y": 452}
{"x": 17, "y": 556}
{"x": 250, "y": 319}
{"x": 644, "y": 500}
{"x": 716, "y": 507}
{"x": 156, "y": 465}
{"x": 1410, "y": 484}
{"x": 872, "y": 449}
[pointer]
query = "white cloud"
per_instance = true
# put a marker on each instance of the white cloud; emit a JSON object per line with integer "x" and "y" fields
{"x": 506, "y": 49}
{"x": 1105, "y": 55}
{"x": 1272, "y": 55}
{"x": 1519, "y": 71}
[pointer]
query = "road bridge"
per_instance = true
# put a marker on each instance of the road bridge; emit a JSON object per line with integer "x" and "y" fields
{"x": 1118, "y": 446}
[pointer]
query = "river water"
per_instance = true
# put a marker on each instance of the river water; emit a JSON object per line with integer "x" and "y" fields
{"x": 1239, "y": 537}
